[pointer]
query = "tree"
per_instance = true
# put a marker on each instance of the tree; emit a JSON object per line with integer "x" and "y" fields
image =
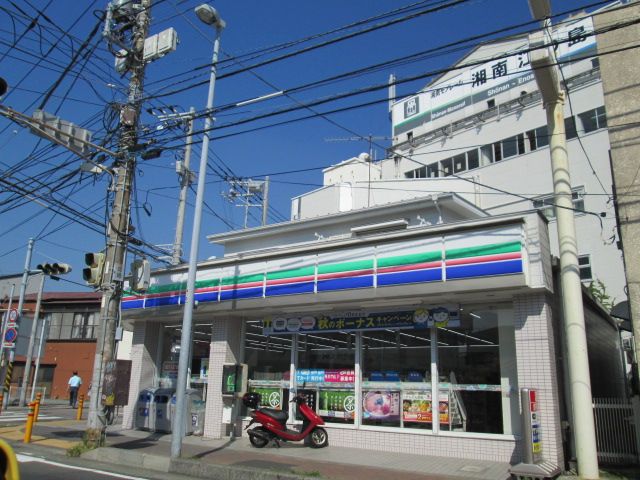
{"x": 598, "y": 292}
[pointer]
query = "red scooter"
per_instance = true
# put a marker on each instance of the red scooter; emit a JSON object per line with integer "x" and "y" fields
{"x": 273, "y": 424}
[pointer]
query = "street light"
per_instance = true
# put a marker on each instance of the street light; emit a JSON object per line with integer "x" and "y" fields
{"x": 209, "y": 16}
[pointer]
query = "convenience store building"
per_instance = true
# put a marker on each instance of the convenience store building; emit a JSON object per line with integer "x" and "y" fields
{"x": 365, "y": 310}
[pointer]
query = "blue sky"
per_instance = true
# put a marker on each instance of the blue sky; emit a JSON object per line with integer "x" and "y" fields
{"x": 251, "y": 25}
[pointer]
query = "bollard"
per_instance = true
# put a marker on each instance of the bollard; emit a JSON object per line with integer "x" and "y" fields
{"x": 37, "y": 409}
{"x": 29, "y": 427}
{"x": 80, "y": 405}
{"x": 1, "y": 400}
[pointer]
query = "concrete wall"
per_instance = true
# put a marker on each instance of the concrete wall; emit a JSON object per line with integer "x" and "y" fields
{"x": 620, "y": 73}
{"x": 226, "y": 347}
{"x": 144, "y": 364}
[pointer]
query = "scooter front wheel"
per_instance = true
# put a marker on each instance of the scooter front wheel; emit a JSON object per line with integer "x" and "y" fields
{"x": 318, "y": 438}
{"x": 259, "y": 440}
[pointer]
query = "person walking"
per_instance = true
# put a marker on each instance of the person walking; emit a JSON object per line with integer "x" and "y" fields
{"x": 74, "y": 385}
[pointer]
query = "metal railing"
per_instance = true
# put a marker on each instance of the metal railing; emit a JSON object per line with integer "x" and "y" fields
{"x": 615, "y": 431}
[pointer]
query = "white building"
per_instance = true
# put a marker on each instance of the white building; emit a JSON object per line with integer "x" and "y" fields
{"x": 480, "y": 131}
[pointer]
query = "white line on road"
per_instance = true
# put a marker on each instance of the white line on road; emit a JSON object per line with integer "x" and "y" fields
{"x": 28, "y": 458}
{"x": 23, "y": 418}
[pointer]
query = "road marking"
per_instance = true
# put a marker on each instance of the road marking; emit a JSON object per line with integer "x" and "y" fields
{"x": 28, "y": 458}
{"x": 22, "y": 418}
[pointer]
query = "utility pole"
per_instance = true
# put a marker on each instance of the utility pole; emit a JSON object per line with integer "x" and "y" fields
{"x": 545, "y": 68}
{"x": 186, "y": 179}
{"x": 118, "y": 228}
{"x": 12, "y": 352}
{"x": 265, "y": 200}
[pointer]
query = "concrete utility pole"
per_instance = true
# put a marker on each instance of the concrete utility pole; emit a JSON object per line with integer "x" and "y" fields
{"x": 186, "y": 178}
{"x": 545, "y": 69}
{"x": 12, "y": 352}
{"x": 118, "y": 228}
{"x": 32, "y": 341}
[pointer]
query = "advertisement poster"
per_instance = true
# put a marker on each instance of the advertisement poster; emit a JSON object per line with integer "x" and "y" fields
{"x": 381, "y": 405}
{"x": 325, "y": 376}
{"x": 417, "y": 407}
{"x": 439, "y": 315}
{"x": 269, "y": 397}
{"x": 337, "y": 403}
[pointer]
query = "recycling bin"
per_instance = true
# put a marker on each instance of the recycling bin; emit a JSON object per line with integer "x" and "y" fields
{"x": 145, "y": 413}
{"x": 162, "y": 410}
{"x": 192, "y": 396}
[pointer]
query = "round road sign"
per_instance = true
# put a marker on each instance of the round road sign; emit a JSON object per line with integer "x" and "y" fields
{"x": 10, "y": 335}
{"x": 13, "y": 315}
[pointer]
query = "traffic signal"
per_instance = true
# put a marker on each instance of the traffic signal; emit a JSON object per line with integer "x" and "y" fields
{"x": 92, "y": 273}
{"x": 54, "y": 268}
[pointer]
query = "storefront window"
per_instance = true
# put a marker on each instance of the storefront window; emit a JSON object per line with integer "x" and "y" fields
{"x": 471, "y": 374}
{"x": 268, "y": 359}
{"x": 326, "y": 370}
{"x": 396, "y": 388}
{"x": 475, "y": 361}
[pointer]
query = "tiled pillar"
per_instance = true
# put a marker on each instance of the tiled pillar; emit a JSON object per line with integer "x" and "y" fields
{"x": 144, "y": 370}
{"x": 226, "y": 346}
{"x": 536, "y": 358}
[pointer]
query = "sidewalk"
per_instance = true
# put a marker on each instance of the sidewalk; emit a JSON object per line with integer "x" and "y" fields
{"x": 237, "y": 459}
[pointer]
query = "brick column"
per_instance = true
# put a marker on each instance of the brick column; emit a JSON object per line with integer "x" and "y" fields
{"x": 536, "y": 359}
{"x": 226, "y": 336}
{"x": 144, "y": 370}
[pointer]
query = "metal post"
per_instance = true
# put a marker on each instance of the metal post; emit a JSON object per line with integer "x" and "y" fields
{"x": 265, "y": 199}
{"x": 23, "y": 289}
{"x": 32, "y": 341}
{"x": 4, "y": 322}
{"x": 35, "y": 371}
{"x": 118, "y": 229}
{"x": 185, "y": 181}
{"x": 574, "y": 325}
{"x": 185, "y": 338}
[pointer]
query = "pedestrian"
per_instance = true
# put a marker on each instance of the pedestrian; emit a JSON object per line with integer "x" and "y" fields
{"x": 74, "y": 385}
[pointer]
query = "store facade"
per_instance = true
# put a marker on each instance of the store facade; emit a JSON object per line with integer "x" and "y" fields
{"x": 406, "y": 336}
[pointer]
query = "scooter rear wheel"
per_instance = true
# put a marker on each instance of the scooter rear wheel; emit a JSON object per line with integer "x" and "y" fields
{"x": 257, "y": 441}
{"x": 318, "y": 438}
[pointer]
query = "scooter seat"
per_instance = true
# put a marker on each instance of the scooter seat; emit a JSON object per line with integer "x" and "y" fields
{"x": 277, "y": 415}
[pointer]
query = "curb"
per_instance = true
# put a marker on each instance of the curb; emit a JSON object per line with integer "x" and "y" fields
{"x": 127, "y": 457}
{"x": 190, "y": 468}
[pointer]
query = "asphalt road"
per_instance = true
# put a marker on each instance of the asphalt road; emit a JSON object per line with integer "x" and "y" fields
{"x": 40, "y": 468}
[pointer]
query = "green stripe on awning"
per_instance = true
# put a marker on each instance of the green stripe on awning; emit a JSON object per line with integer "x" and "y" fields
{"x": 409, "y": 259}
{"x": 493, "y": 249}
{"x": 254, "y": 277}
{"x": 345, "y": 266}
{"x": 294, "y": 272}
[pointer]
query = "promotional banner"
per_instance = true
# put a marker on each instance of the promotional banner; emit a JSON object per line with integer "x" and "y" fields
{"x": 337, "y": 403}
{"x": 381, "y": 405}
{"x": 441, "y": 316}
{"x": 418, "y": 407}
{"x": 269, "y": 397}
{"x": 325, "y": 376}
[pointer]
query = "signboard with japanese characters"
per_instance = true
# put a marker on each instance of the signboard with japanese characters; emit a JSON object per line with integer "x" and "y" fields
{"x": 507, "y": 71}
{"x": 439, "y": 315}
{"x": 417, "y": 407}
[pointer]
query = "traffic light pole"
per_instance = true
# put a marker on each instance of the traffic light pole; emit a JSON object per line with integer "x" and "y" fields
{"x": 118, "y": 228}
{"x": 32, "y": 341}
{"x": 12, "y": 353}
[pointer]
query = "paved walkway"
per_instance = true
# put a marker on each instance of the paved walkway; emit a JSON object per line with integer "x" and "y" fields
{"x": 206, "y": 458}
